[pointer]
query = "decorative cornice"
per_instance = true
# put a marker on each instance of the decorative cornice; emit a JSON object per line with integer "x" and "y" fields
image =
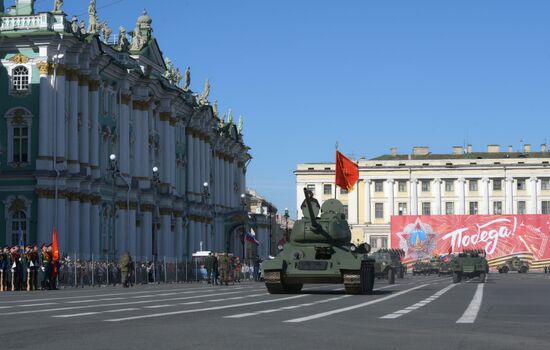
{"x": 146, "y": 207}
{"x": 173, "y": 121}
{"x": 122, "y": 205}
{"x": 83, "y": 80}
{"x": 72, "y": 75}
{"x": 94, "y": 85}
{"x": 73, "y": 196}
{"x": 125, "y": 99}
{"x": 165, "y": 211}
{"x": 44, "y": 67}
{"x": 19, "y": 59}
{"x": 165, "y": 116}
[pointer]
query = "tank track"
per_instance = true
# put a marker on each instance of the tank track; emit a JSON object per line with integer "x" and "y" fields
{"x": 352, "y": 282}
{"x": 273, "y": 282}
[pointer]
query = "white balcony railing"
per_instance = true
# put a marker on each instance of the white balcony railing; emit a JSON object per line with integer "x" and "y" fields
{"x": 41, "y": 21}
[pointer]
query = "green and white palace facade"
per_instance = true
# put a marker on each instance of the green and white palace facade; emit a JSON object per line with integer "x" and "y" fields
{"x": 99, "y": 139}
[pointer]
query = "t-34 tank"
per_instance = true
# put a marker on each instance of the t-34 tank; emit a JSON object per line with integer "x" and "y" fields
{"x": 319, "y": 251}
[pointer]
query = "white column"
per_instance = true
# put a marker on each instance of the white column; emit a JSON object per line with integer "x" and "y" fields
{"x": 94, "y": 125}
{"x": 437, "y": 195}
{"x": 60, "y": 122}
{"x": 44, "y": 120}
{"x": 165, "y": 228}
{"x": 124, "y": 135}
{"x": 189, "y": 165}
{"x": 461, "y": 183}
{"x": 165, "y": 147}
{"x": 44, "y": 229}
{"x": 389, "y": 189}
{"x": 84, "y": 248}
{"x": 74, "y": 165}
{"x": 179, "y": 246}
{"x": 74, "y": 224}
{"x": 353, "y": 197}
{"x": 218, "y": 183}
{"x": 173, "y": 165}
{"x": 146, "y": 114}
{"x": 485, "y": 193}
{"x": 509, "y": 195}
{"x": 94, "y": 228}
{"x": 367, "y": 207}
{"x": 132, "y": 232}
{"x": 533, "y": 195}
{"x": 413, "y": 184}
{"x": 196, "y": 168}
{"x": 299, "y": 198}
{"x": 84, "y": 126}
{"x": 146, "y": 230}
{"x": 137, "y": 121}
{"x": 121, "y": 230}
{"x": 62, "y": 232}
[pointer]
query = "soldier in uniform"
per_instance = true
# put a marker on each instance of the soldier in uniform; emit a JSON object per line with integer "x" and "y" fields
{"x": 208, "y": 264}
{"x": 125, "y": 262}
{"x": 224, "y": 267}
{"x": 46, "y": 267}
{"x": 33, "y": 265}
{"x": 4, "y": 263}
{"x": 215, "y": 273}
{"x": 15, "y": 261}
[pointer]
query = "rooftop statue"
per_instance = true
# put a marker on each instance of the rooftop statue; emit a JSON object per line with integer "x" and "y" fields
{"x": 241, "y": 125}
{"x": 106, "y": 31}
{"x": 172, "y": 73}
{"x": 57, "y": 6}
{"x": 82, "y": 27}
{"x": 205, "y": 93}
{"x": 137, "y": 40}
{"x": 230, "y": 117}
{"x": 215, "y": 108}
{"x": 74, "y": 24}
{"x": 123, "y": 43}
{"x": 93, "y": 26}
{"x": 222, "y": 121}
{"x": 187, "y": 78}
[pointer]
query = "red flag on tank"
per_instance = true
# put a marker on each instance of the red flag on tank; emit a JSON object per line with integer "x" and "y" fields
{"x": 347, "y": 172}
{"x": 55, "y": 250}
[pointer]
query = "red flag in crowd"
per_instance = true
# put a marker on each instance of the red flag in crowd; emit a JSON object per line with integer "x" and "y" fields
{"x": 55, "y": 250}
{"x": 347, "y": 172}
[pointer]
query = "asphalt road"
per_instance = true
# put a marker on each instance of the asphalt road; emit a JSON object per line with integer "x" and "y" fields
{"x": 508, "y": 312}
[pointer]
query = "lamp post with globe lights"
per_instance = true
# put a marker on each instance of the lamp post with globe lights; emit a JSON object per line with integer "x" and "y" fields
{"x": 205, "y": 198}
{"x": 243, "y": 204}
{"x": 113, "y": 171}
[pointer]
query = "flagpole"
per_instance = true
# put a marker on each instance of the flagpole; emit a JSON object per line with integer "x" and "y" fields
{"x": 335, "y": 187}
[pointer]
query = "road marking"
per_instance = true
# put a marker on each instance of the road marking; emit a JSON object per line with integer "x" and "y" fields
{"x": 94, "y": 313}
{"x": 157, "y": 306}
{"x": 471, "y": 312}
{"x": 125, "y": 294}
{"x": 122, "y": 303}
{"x": 248, "y": 314}
{"x": 336, "y": 311}
{"x": 399, "y": 313}
{"x": 204, "y": 309}
{"x": 31, "y": 305}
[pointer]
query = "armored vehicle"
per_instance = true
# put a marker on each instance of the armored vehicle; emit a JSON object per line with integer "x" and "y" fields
{"x": 433, "y": 267}
{"x": 388, "y": 264}
{"x": 513, "y": 264}
{"x": 444, "y": 266}
{"x": 469, "y": 264}
{"x": 419, "y": 268}
{"x": 319, "y": 251}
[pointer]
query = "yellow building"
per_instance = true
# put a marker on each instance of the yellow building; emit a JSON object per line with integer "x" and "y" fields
{"x": 422, "y": 183}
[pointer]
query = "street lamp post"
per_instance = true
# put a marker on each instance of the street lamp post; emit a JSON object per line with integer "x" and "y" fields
{"x": 243, "y": 204}
{"x": 286, "y": 225}
{"x": 155, "y": 181}
{"x": 205, "y": 197}
{"x": 113, "y": 170}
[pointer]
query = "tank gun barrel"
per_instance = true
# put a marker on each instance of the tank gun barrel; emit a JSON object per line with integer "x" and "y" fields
{"x": 314, "y": 224}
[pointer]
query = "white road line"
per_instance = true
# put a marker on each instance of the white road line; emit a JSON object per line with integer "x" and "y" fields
{"x": 471, "y": 312}
{"x": 157, "y": 306}
{"x": 399, "y": 313}
{"x": 125, "y": 294}
{"x": 122, "y": 303}
{"x": 248, "y": 314}
{"x": 204, "y": 309}
{"x": 32, "y": 305}
{"x": 94, "y": 313}
{"x": 328, "y": 313}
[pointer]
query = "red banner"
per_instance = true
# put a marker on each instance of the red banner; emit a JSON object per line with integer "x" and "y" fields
{"x": 501, "y": 236}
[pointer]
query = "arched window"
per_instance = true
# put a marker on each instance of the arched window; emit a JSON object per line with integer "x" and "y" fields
{"x": 18, "y": 227}
{"x": 20, "y": 79}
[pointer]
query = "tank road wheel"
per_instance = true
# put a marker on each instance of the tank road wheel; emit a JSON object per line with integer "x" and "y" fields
{"x": 523, "y": 269}
{"x": 504, "y": 269}
{"x": 457, "y": 277}
{"x": 273, "y": 282}
{"x": 352, "y": 282}
{"x": 482, "y": 277}
{"x": 391, "y": 276}
{"x": 367, "y": 277}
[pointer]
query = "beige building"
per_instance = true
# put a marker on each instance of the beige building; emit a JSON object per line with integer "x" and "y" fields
{"x": 421, "y": 183}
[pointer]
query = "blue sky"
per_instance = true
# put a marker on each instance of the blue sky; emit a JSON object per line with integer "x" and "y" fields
{"x": 368, "y": 74}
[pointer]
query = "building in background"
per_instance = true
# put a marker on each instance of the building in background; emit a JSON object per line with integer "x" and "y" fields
{"x": 264, "y": 222}
{"x": 100, "y": 139}
{"x": 495, "y": 181}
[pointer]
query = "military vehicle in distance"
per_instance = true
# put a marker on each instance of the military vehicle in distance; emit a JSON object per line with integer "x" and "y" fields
{"x": 469, "y": 264}
{"x": 444, "y": 266}
{"x": 388, "y": 264}
{"x": 319, "y": 251}
{"x": 433, "y": 266}
{"x": 420, "y": 268}
{"x": 514, "y": 264}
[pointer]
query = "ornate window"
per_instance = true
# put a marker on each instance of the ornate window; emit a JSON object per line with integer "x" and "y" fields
{"x": 19, "y": 122}
{"x": 17, "y": 213}
{"x": 20, "y": 79}
{"x": 18, "y": 227}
